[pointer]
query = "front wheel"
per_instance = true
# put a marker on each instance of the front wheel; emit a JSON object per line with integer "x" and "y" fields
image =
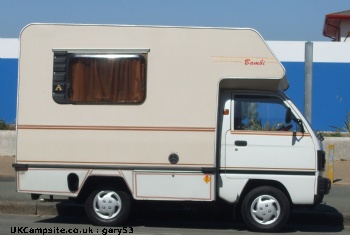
{"x": 265, "y": 209}
{"x": 108, "y": 207}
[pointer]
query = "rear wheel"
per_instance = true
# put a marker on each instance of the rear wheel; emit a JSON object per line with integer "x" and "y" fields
{"x": 108, "y": 207}
{"x": 265, "y": 209}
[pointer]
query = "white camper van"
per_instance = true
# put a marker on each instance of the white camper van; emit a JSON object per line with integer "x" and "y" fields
{"x": 111, "y": 114}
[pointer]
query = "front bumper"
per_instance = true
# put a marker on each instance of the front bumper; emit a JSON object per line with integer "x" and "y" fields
{"x": 323, "y": 188}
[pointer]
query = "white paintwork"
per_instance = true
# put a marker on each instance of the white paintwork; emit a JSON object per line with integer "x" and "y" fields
{"x": 9, "y": 48}
{"x": 291, "y": 51}
{"x": 323, "y": 52}
{"x": 174, "y": 186}
{"x": 129, "y": 180}
{"x": 335, "y": 52}
{"x": 230, "y": 189}
{"x": 267, "y": 151}
{"x": 300, "y": 188}
{"x": 270, "y": 152}
{"x": 48, "y": 181}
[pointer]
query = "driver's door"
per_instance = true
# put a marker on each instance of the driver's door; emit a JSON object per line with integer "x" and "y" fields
{"x": 261, "y": 140}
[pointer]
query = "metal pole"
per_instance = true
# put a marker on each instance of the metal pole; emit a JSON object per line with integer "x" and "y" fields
{"x": 308, "y": 81}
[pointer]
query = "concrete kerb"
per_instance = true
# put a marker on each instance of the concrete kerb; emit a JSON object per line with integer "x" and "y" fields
{"x": 7, "y": 178}
{"x": 54, "y": 208}
{"x": 18, "y": 207}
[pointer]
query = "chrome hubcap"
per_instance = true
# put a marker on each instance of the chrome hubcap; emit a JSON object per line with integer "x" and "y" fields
{"x": 107, "y": 204}
{"x": 265, "y": 209}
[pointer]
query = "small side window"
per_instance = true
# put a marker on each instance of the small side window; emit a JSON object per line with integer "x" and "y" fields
{"x": 99, "y": 78}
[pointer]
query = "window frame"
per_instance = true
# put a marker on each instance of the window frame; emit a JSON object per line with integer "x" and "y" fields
{"x": 62, "y": 72}
{"x": 256, "y": 96}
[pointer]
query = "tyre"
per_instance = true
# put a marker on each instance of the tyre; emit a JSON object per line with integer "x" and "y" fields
{"x": 265, "y": 209}
{"x": 108, "y": 207}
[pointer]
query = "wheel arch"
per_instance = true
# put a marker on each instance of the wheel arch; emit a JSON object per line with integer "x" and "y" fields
{"x": 254, "y": 183}
{"x": 94, "y": 182}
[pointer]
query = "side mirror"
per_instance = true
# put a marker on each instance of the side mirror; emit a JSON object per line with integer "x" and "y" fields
{"x": 288, "y": 116}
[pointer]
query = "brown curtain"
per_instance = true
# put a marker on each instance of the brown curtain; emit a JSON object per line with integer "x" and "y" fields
{"x": 117, "y": 80}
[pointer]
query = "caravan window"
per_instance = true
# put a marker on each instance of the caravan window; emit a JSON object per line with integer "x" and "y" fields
{"x": 102, "y": 79}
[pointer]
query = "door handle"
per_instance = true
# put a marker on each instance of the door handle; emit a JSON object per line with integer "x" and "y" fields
{"x": 241, "y": 143}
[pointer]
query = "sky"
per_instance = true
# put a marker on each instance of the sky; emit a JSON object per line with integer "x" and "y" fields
{"x": 280, "y": 20}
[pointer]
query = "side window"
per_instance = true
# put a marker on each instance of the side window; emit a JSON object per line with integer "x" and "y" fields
{"x": 99, "y": 78}
{"x": 261, "y": 113}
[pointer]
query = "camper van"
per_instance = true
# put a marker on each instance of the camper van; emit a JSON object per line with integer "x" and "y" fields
{"x": 112, "y": 114}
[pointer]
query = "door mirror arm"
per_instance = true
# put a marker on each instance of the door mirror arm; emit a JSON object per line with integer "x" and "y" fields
{"x": 300, "y": 122}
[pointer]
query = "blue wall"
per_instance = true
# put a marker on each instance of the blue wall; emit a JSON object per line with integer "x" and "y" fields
{"x": 331, "y": 92}
{"x": 8, "y": 89}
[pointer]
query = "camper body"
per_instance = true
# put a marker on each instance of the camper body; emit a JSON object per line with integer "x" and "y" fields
{"x": 110, "y": 113}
